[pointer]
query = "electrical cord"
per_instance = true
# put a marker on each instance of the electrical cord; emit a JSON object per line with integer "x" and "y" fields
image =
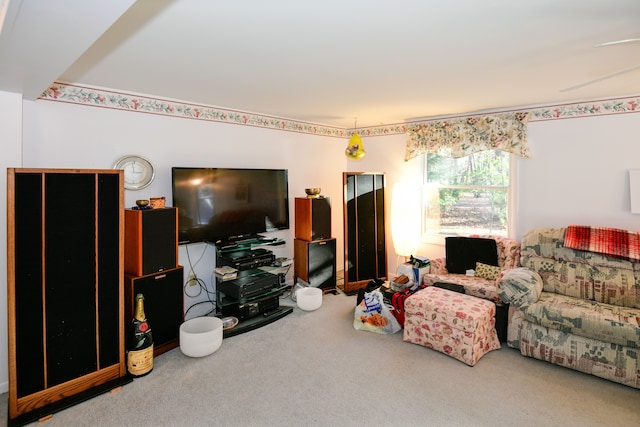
{"x": 287, "y": 292}
{"x": 202, "y": 286}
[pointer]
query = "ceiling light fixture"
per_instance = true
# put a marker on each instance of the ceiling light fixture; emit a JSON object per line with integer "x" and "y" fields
{"x": 355, "y": 149}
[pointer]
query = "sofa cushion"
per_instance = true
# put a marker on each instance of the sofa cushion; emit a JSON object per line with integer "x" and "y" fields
{"x": 563, "y": 277}
{"x": 508, "y": 250}
{"x": 457, "y": 310}
{"x": 487, "y": 271}
{"x": 608, "y": 284}
{"x": 589, "y": 319}
{"x": 520, "y": 286}
{"x": 462, "y": 253}
{"x": 549, "y": 243}
{"x": 474, "y": 286}
{"x": 602, "y": 359}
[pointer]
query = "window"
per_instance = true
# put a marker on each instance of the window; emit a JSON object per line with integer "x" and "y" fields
{"x": 466, "y": 195}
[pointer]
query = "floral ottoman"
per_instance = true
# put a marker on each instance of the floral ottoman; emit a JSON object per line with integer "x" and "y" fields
{"x": 455, "y": 324}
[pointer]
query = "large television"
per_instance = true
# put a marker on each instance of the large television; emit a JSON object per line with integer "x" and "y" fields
{"x": 224, "y": 204}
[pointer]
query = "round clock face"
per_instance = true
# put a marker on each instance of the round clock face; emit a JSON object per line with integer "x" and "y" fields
{"x": 138, "y": 171}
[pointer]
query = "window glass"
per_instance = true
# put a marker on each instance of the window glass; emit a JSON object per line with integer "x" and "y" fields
{"x": 466, "y": 195}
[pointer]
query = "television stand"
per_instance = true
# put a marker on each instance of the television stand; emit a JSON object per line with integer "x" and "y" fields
{"x": 247, "y": 242}
{"x": 253, "y": 294}
{"x": 258, "y": 321}
{"x": 246, "y": 239}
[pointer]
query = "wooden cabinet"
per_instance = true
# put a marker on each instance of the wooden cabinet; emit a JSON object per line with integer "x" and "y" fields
{"x": 315, "y": 262}
{"x": 314, "y": 251}
{"x": 163, "y": 305}
{"x": 65, "y": 288}
{"x": 313, "y": 218}
{"x": 365, "y": 256}
{"x": 151, "y": 240}
{"x": 151, "y": 264}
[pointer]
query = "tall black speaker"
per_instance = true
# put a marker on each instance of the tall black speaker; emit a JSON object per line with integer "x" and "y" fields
{"x": 64, "y": 288}
{"x": 364, "y": 229}
{"x": 151, "y": 240}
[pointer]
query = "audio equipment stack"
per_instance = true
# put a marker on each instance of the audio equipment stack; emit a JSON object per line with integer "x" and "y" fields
{"x": 253, "y": 293}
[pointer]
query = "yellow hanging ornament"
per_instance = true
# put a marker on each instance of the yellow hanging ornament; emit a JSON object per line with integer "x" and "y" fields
{"x": 355, "y": 149}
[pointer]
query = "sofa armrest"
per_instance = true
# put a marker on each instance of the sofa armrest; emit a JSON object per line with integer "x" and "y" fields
{"x": 520, "y": 286}
{"x": 508, "y": 250}
{"x": 438, "y": 266}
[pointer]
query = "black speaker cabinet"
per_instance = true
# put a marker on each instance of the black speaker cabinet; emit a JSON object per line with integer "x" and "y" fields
{"x": 64, "y": 288}
{"x": 313, "y": 218}
{"x": 315, "y": 262}
{"x": 364, "y": 229}
{"x": 163, "y": 305}
{"x": 151, "y": 240}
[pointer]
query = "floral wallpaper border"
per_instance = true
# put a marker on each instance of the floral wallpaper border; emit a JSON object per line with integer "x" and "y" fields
{"x": 603, "y": 107}
{"x": 75, "y": 94}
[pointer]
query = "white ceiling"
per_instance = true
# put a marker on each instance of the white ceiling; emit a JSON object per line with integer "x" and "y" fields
{"x": 330, "y": 62}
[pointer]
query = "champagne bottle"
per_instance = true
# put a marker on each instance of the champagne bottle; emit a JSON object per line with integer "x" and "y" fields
{"x": 140, "y": 342}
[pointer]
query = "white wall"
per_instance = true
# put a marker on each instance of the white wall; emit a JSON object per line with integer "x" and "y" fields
{"x": 67, "y": 135}
{"x": 11, "y": 137}
{"x": 385, "y": 154}
{"x": 577, "y": 173}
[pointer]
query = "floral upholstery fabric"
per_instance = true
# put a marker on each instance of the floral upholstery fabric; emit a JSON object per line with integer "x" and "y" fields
{"x": 514, "y": 326}
{"x": 455, "y": 324}
{"x": 580, "y": 274}
{"x": 438, "y": 266}
{"x": 590, "y": 319}
{"x": 474, "y": 286}
{"x": 508, "y": 250}
{"x": 615, "y": 363}
{"x": 508, "y": 257}
{"x": 587, "y": 316}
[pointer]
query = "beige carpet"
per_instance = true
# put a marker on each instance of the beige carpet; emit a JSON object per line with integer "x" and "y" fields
{"x": 315, "y": 369}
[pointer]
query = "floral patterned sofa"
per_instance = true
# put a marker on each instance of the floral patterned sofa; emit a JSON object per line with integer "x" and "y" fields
{"x": 480, "y": 287}
{"x": 577, "y": 308}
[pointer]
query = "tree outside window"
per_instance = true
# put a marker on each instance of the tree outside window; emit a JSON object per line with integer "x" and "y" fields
{"x": 466, "y": 195}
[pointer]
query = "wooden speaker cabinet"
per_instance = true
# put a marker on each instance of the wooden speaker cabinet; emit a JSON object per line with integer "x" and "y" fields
{"x": 151, "y": 240}
{"x": 313, "y": 218}
{"x": 163, "y": 305}
{"x": 65, "y": 288}
{"x": 315, "y": 262}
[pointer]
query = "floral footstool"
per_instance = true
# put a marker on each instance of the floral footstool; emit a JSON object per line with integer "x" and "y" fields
{"x": 455, "y": 324}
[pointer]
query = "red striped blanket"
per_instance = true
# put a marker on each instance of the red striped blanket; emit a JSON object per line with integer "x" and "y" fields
{"x": 608, "y": 241}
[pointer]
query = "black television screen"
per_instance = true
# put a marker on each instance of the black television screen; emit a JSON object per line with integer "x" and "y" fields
{"x": 223, "y": 204}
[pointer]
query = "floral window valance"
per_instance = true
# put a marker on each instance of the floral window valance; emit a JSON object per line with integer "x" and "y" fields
{"x": 460, "y": 137}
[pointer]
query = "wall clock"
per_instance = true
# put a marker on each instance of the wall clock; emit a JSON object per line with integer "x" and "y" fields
{"x": 138, "y": 171}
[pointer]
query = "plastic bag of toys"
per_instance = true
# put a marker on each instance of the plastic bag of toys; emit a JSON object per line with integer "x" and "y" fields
{"x": 372, "y": 314}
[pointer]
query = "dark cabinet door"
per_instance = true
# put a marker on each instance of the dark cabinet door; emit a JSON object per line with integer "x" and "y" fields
{"x": 315, "y": 262}
{"x": 163, "y": 305}
{"x": 364, "y": 227}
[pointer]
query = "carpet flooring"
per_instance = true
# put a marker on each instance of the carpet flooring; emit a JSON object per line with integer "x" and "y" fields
{"x": 315, "y": 369}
